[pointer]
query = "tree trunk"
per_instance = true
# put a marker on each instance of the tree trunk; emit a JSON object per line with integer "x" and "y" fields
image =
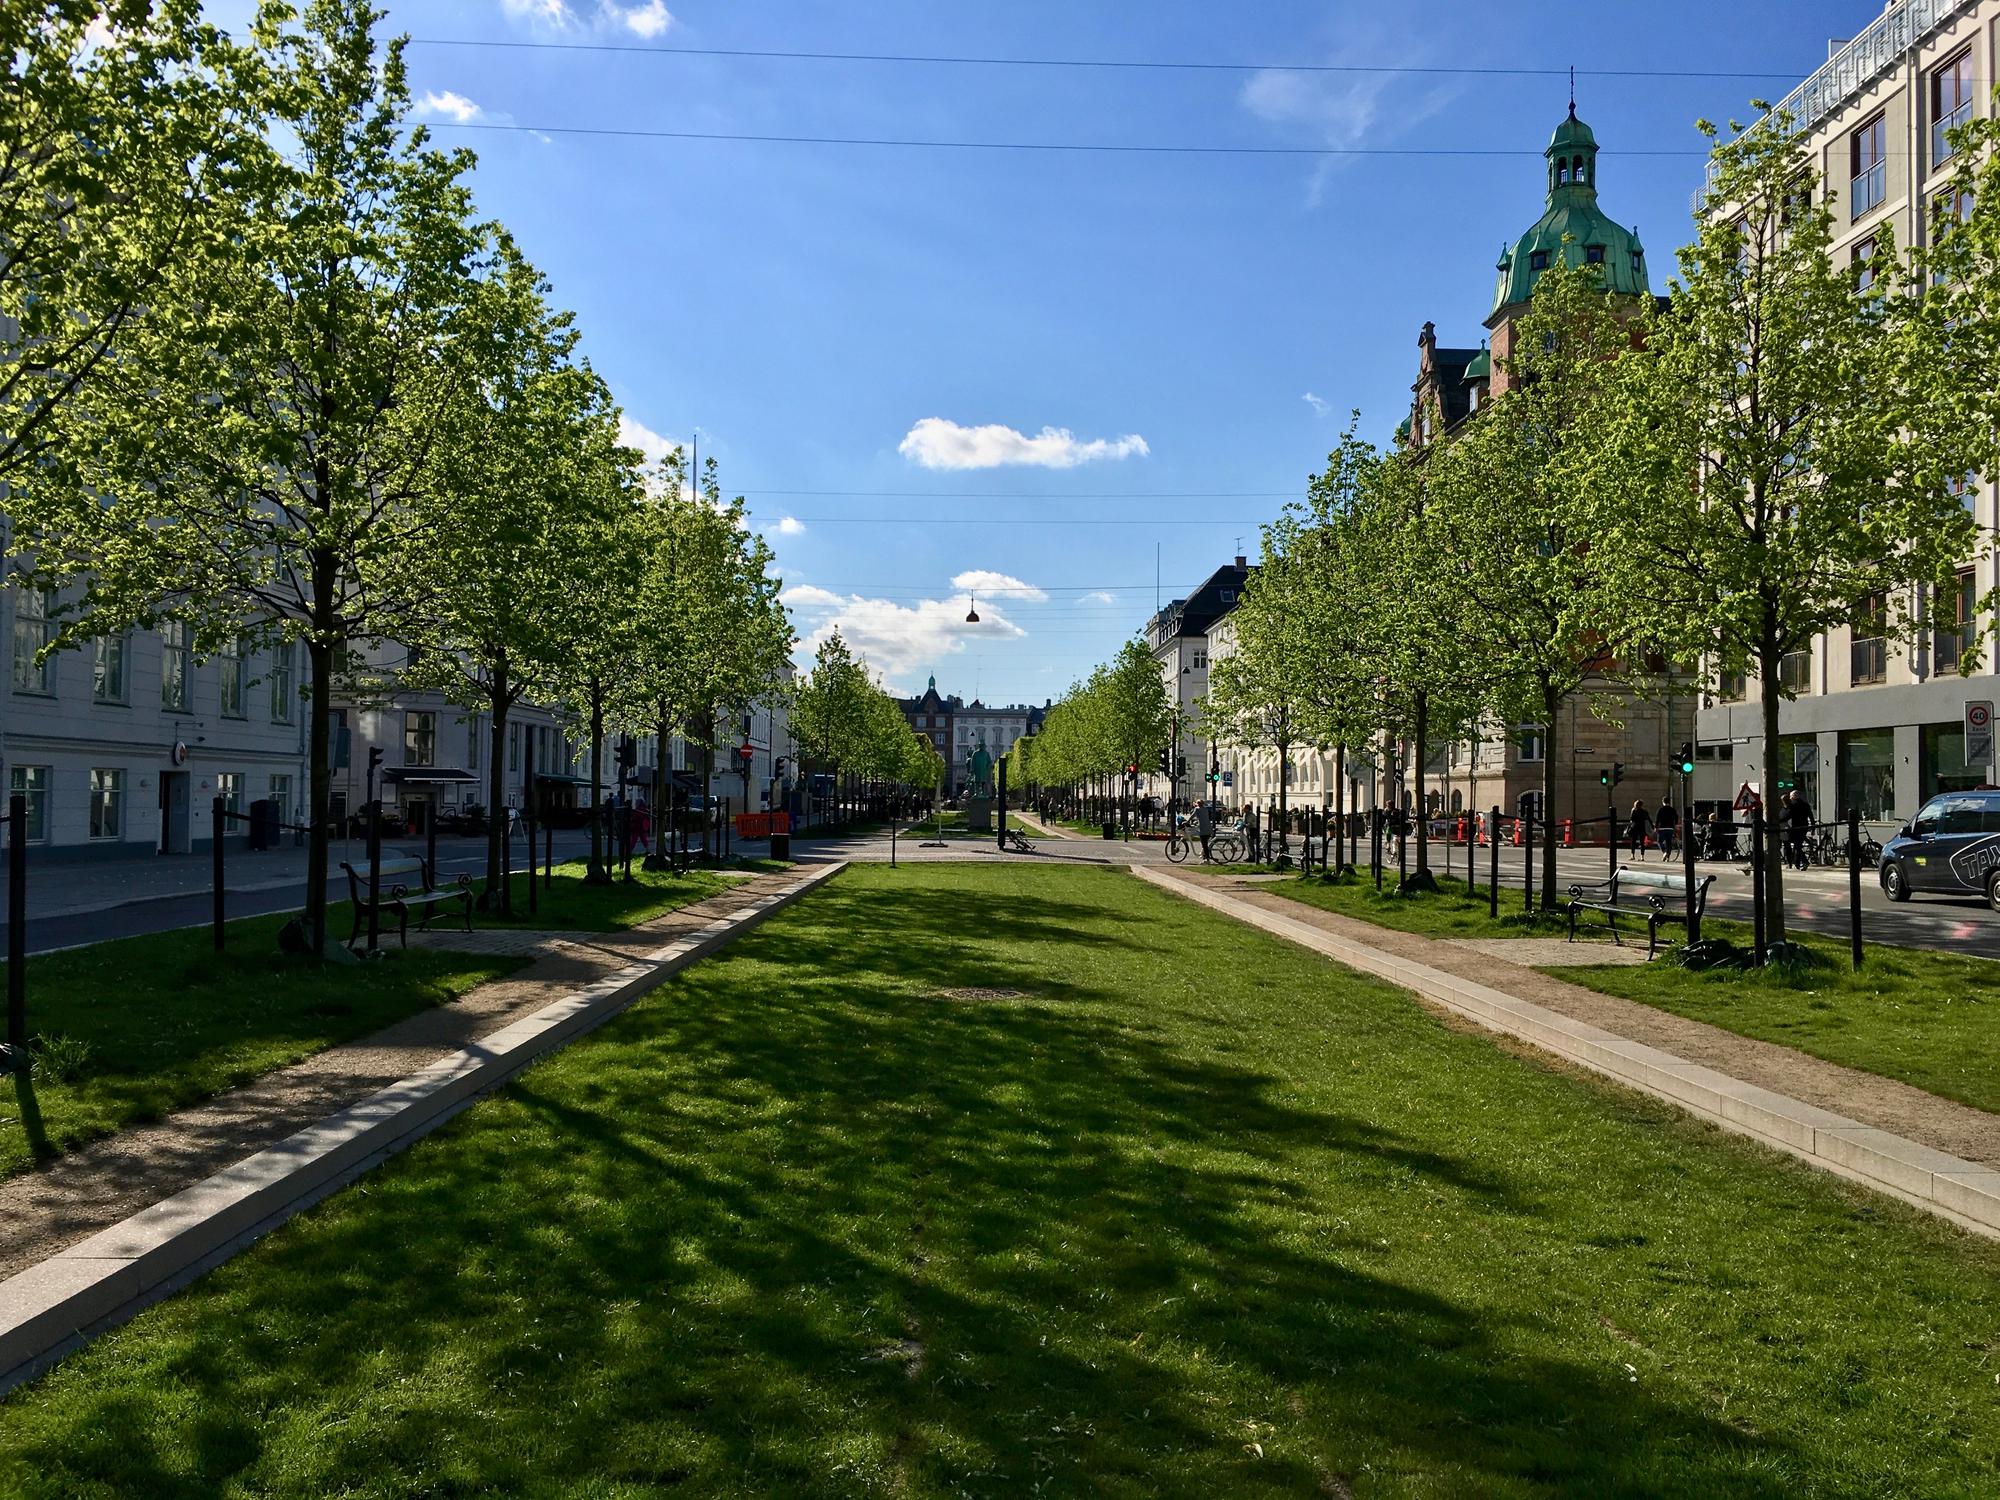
{"x": 599, "y": 873}
{"x": 1773, "y": 873}
{"x": 1423, "y": 707}
{"x": 496, "y": 785}
{"x": 319, "y": 654}
{"x": 1551, "y": 706}
{"x": 1284, "y": 760}
{"x": 662, "y": 806}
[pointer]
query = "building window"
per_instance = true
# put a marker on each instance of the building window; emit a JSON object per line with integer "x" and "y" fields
{"x": 1951, "y": 102}
{"x": 1638, "y": 262}
{"x": 174, "y": 667}
{"x": 1731, "y": 687}
{"x": 1795, "y": 671}
{"x": 107, "y": 803}
{"x": 231, "y": 664}
{"x": 1862, "y": 258}
{"x": 1868, "y": 651}
{"x": 283, "y": 690}
{"x": 1868, "y": 772}
{"x": 33, "y": 629}
{"x": 107, "y": 669}
{"x": 1951, "y": 630}
{"x": 473, "y": 736}
{"x": 1867, "y": 167}
{"x": 281, "y": 793}
{"x": 1530, "y": 744}
{"x": 1538, "y": 260}
{"x": 1201, "y": 661}
{"x": 229, "y": 787}
{"x": 1966, "y": 487}
{"x": 31, "y": 784}
{"x": 1593, "y": 255}
{"x": 1228, "y": 596}
{"x": 419, "y": 739}
{"x": 513, "y": 748}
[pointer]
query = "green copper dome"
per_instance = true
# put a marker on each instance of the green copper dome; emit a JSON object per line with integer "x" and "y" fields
{"x": 1573, "y": 227}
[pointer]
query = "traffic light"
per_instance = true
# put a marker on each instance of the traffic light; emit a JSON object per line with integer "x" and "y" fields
{"x": 1166, "y": 761}
{"x": 1131, "y": 768}
{"x": 1612, "y": 777}
{"x": 1180, "y": 766}
{"x": 1687, "y": 758}
{"x": 1604, "y": 778}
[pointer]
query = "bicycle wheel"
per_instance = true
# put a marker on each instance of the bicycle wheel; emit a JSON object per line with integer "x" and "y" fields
{"x": 1177, "y": 849}
{"x": 1226, "y": 849}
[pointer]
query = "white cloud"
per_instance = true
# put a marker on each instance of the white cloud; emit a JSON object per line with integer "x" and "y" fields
{"x": 545, "y": 12}
{"x": 446, "y": 106}
{"x": 647, "y": 20}
{"x": 1320, "y": 405}
{"x": 988, "y": 585}
{"x": 1340, "y": 111}
{"x": 936, "y": 443}
{"x": 787, "y": 526}
{"x": 897, "y": 639}
{"x": 1100, "y": 596}
{"x": 810, "y": 596}
{"x": 632, "y": 433}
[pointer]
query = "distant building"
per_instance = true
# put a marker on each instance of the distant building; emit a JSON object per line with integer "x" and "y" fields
{"x": 957, "y": 728}
{"x": 1178, "y": 636}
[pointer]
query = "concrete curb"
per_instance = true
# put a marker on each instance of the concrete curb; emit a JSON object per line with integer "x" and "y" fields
{"x": 56, "y": 1306}
{"x": 1949, "y": 1186}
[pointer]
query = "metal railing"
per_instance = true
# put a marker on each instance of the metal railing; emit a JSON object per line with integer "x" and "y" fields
{"x": 1879, "y": 47}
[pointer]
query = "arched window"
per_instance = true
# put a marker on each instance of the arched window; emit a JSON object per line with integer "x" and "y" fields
{"x": 1576, "y": 169}
{"x": 1562, "y": 172}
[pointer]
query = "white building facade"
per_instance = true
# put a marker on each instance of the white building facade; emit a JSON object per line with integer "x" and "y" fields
{"x": 1877, "y": 726}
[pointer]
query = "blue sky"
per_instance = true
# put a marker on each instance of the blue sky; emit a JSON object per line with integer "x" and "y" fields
{"x": 845, "y": 318}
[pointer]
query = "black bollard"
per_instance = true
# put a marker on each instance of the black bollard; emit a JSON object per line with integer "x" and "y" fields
{"x": 17, "y": 931}
{"x": 1757, "y": 876}
{"x": 215, "y": 819}
{"x": 1854, "y": 882}
{"x": 1687, "y": 869}
{"x": 1493, "y": 869}
{"x": 374, "y": 873}
{"x": 1527, "y": 820}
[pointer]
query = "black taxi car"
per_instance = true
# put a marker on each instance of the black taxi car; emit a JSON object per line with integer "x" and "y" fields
{"x": 1950, "y": 848}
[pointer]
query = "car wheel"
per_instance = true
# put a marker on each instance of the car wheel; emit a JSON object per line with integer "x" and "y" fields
{"x": 1895, "y": 884}
{"x": 1993, "y": 890}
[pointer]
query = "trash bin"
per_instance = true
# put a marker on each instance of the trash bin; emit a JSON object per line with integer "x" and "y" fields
{"x": 781, "y": 846}
{"x": 264, "y": 824}
{"x": 1111, "y": 830}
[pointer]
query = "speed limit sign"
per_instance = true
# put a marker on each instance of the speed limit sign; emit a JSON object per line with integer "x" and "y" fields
{"x": 1978, "y": 732}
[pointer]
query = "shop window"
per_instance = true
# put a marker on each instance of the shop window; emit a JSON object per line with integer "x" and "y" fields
{"x": 1941, "y": 761}
{"x": 1868, "y": 773}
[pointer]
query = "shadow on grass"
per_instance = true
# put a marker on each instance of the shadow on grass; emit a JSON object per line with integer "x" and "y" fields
{"x": 824, "y": 1226}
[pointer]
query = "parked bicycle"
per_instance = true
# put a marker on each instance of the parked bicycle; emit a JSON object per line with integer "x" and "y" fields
{"x": 1226, "y": 846}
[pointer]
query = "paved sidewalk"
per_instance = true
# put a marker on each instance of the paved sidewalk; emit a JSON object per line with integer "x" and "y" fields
{"x": 1941, "y": 1155}
{"x": 87, "y": 1190}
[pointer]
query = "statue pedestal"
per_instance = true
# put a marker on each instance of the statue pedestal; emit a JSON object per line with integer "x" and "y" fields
{"x": 979, "y": 814}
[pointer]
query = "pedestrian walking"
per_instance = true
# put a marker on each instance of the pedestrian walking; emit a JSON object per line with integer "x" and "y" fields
{"x": 641, "y": 827}
{"x": 1798, "y": 823}
{"x": 1639, "y": 822}
{"x": 1204, "y": 825}
{"x": 1666, "y": 823}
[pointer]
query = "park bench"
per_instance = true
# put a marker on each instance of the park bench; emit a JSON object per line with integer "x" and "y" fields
{"x": 1657, "y": 895}
{"x": 397, "y": 897}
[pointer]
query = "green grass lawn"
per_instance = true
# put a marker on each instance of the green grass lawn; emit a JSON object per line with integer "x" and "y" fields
{"x": 1446, "y": 912}
{"x": 568, "y": 904}
{"x": 147, "y": 1025}
{"x": 1928, "y": 1018}
{"x": 1188, "y": 1212}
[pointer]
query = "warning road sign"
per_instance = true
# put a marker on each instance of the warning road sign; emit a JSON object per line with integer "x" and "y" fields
{"x": 1747, "y": 799}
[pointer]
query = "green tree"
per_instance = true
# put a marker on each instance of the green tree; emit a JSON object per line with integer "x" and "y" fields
{"x": 1766, "y": 469}
{"x": 1515, "y": 528}
{"x": 262, "y": 475}
{"x": 122, "y": 125}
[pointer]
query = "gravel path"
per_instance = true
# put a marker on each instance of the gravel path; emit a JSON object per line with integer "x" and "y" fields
{"x": 76, "y": 1195}
{"x": 1882, "y": 1102}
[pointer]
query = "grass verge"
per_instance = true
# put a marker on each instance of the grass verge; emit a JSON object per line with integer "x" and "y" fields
{"x": 569, "y": 904}
{"x": 1925, "y": 1018}
{"x": 130, "y": 1030}
{"x": 1090, "y": 1191}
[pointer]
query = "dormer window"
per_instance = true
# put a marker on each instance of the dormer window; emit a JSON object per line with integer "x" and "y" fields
{"x": 1594, "y": 254}
{"x": 1538, "y": 260}
{"x": 1638, "y": 261}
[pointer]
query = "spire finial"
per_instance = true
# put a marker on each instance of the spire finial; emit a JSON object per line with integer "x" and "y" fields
{"x": 1572, "y": 91}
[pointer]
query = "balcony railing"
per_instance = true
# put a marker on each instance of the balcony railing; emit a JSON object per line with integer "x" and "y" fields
{"x": 1850, "y": 70}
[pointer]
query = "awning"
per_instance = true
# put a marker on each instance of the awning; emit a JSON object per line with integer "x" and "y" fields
{"x": 558, "y": 779}
{"x": 426, "y": 773}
